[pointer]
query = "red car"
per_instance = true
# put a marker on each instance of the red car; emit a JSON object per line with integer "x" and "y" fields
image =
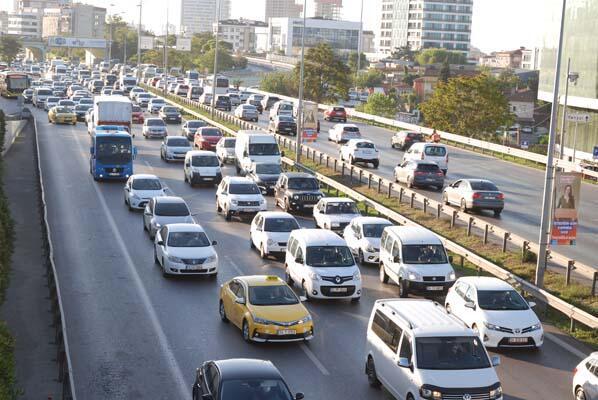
{"x": 336, "y": 114}
{"x": 137, "y": 115}
{"x": 206, "y": 138}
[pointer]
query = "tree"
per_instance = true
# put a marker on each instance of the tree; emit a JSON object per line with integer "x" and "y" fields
{"x": 381, "y": 105}
{"x": 9, "y": 48}
{"x": 237, "y": 83}
{"x": 404, "y": 53}
{"x": 280, "y": 82}
{"x": 470, "y": 106}
{"x": 327, "y": 77}
{"x": 371, "y": 78}
{"x": 435, "y": 56}
{"x": 206, "y": 61}
{"x": 445, "y": 72}
{"x": 352, "y": 61}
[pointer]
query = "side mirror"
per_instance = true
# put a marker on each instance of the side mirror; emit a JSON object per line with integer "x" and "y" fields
{"x": 245, "y": 154}
{"x": 397, "y": 259}
{"x": 404, "y": 362}
{"x": 240, "y": 300}
{"x": 532, "y": 304}
{"x": 299, "y": 260}
{"x": 214, "y": 243}
{"x": 282, "y": 153}
{"x": 160, "y": 243}
{"x": 302, "y": 299}
{"x": 470, "y": 304}
{"x": 91, "y": 151}
{"x": 299, "y": 396}
{"x": 495, "y": 361}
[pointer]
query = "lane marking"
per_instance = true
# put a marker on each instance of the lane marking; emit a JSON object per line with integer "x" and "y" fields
{"x": 565, "y": 345}
{"x": 175, "y": 369}
{"x": 314, "y": 359}
{"x": 148, "y": 165}
{"x": 235, "y": 266}
{"x": 358, "y": 316}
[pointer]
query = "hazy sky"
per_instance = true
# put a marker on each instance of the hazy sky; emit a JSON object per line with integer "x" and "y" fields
{"x": 497, "y": 25}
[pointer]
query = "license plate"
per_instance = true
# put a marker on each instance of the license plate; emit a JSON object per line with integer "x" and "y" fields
{"x": 338, "y": 289}
{"x": 429, "y": 179}
{"x": 287, "y": 332}
{"x": 491, "y": 197}
{"x": 309, "y": 205}
{"x": 208, "y": 179}
{"x": 434, "y": 288}
{"x": 517, "y": 340}
{"x": 114, "y": 174}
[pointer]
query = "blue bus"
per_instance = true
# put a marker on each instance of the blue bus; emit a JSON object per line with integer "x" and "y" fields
{"x": 111, "y": 155}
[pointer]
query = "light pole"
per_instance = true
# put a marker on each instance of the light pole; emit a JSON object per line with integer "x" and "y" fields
{"x": 571, "y": 77}
{"x": 359, "y": 44}
{"x": 139, "y": 43}
{"x": 165, "y": 61}
{"x": 301, "y": 78}
{"x": 214, "y": 78}
{"x": 549, "y": 177}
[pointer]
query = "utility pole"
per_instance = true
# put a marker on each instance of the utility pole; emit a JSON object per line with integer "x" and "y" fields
{"x": 215, "y": 79}
{"x": 359, "y": 44}
{"x": 564, "y": 119}
{"x": 139, "y": 43}
{"x": 110, "y": 41}
{"x": 165, "y": 62}
{"x": 549, "y": 177}
{"x": 301, "y": 78}
{"x": 125, "y": 49}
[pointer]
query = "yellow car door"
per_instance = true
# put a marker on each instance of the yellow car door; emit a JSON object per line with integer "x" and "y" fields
{"x": 238, "y": 307}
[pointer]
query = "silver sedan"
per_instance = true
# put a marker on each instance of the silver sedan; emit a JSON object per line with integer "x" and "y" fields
{"x": 476, "y": 194}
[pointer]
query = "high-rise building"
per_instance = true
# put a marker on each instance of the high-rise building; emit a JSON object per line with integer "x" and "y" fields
{"x": 26, "y": 23}
{"x": 240, "y": 33}
{"x": 327, "y": 9}
{"x": 19, "y": 5}
{"x": 3, "y": 21}
{"x": 424, "y": 24}
{"x": 282, "y": 9}
{"x": 87, "y": 21}
{"x": 199, "y": 15}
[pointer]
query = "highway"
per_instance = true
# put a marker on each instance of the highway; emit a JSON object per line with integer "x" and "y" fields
{"x": 522, "y": 186}
{"x": 136, "y": 335}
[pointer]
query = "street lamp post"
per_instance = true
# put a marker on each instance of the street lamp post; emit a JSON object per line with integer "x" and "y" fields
{"x": 139, "y": 43}
{"x": 571, "y": 77}
{"x": 359, "y": 44}
{"x": 301, "y": 78}
{"x": 214, "y": 78}
{"x": 165, "y": 61}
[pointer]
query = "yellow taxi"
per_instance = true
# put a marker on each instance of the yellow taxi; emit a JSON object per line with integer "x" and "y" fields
{"x": 266, "y": 309}
{"x": 62, "y": 115}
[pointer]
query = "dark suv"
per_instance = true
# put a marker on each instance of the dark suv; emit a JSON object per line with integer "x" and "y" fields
{"x": 223, "y": 103}
{"x": 297, "y": 191}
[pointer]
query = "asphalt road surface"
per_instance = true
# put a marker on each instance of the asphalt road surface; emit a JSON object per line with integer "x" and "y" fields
{"x": 136, "y": 335}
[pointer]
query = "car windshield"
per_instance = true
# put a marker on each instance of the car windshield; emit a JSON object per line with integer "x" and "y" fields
{"x": 170, "y": 110}
{"x": 374, "y": 230}
{"x": 285, "y": 118}
{"x": 251, "y": 389}
{"x": 230, "y": 143}
{"x": 244, "y": 188}
{"x": 52, "y": 100}
{"x": 205, "y": 161}
{"x": 424, "y": 254}
{"x": 113, "y": 150}
{"x": 86, "y": 101}
{"x": 195, "y": 124}
{"x": 365, "y": 145}
{"x": 263, "y": 149}
{"x": 280, "y": 225}
{"x": 171, "y": 209}
{"x": 501, "y": 300}
{"x": 82, "y": 107}
{"x": 329, "y": 256}
{"x": 278, "y": 295}
{"x": 178, "y": 142}
{"x": 211, "y": 132}
{"x": 303, "y": 184}
{"x": 154, "y": 122}
{"x": 157, "y": 101}
{"x": 43, "y": 92}
{"x": 146, "y": 184}
{"x": 188, "y": 239}
{"x": 268, "y": 169}
{"x": 451, "y": 353}
{"x": 343, "y": 207}
{"x": 435, "y": 151}
{"x": 483, "y": 185}
{"x": 62, "y": 109}
{"x": 338, "y": 109}
{"x": 136, "y": 109}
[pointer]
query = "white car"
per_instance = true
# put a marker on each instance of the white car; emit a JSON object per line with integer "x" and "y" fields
{"x": 205, "y": 99}
{"x": 360, "y": 150}
{"x": 184, "y": 249}
{"x": 335, "y": 213}
{"x": 154, "y": 127}
{"x": 247, "y": 112}
{"x": 270, "y": 231}
{"x": 225, "y": 150}
{"x": 161, "y": 211}
{"x": 239, "y": 196}
{"x": 174, "y": 148}
{"x": 585, "y": 378}
{"x": 202, "y": 166}
{"x": 155, "y": 105}
{"x": 140, "y": 189}
{"x": 341, "y": 133}
{"x": 495, "y": 311}
{"x": 363, "y": 238}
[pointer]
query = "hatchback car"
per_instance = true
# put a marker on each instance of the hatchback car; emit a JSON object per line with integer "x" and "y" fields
{"x": 342, "y": 133}
{"x": 174, "y": 148}
{"x": 225, "y": 150}
{"x": 170, "y": 114}
{"x": 205, "y": 99}
{"x": 50, "y": 102}
{"x": 143, "y": 99}
{"x": 266, "y": 309}
{"x": 335, "y": 213}
{"x": 283, "y": 124}
{"x": 476, "y": 194}
{"x": 223, "y": 103}
{"x": 154, "y": 127}
{"x": 360, "y": 150}
{"x": 419, "y": 173}
{"x": 270, "y": 231}
{"x": 363, "y": 238}
{"x": 191, "y": 126}
{"x": 585, "y": 378}
{"x": 247, "y": 112}
{"x": 155, "y": 105}
{"x": 206, "y": 138}
{"x": 140, "y": 189}
{"x": 81, "y": 110}
{"x": 255, "y": 100}
{"x": 137, "y": 115}
{"x": 185, "y": 249}
{"x": 336, "y": 114}
{"x": 161, "y": 211}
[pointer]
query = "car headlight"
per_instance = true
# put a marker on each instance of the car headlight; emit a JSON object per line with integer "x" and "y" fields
{"x": 414, "y": 276}
{"x": 307, "y": 318}
{"x": 335, "y": 224}
{"x": 429, "y": 393}
{"x": 370, "y": 249}
{"x": 157, "y": 225}
{"x": 496, "y": 393}
{"x": 210, "y": 259}
{"x": 536, "y": 327}
{"x": 262, "y": 201}
{"x": 357, "y": 276}
{"x": 492, "y": 327}
{"x": 234, "y": 202}
{"x": 174, "y": 259}
{"x": 295, "y": 197}
{"x": 271, "y": 242}
{"x": 134, "y": 196}
{"x": 313, "y": 276}
{"x": 452, "y": 276}
{"x": 262, "y": 321}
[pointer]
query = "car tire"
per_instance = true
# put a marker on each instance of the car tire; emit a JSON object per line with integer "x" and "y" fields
{"x": 251, "y": 244}
{"x": 463, "y": 205}
{"x": 222, "y": 312}
{"x": 156, "y": 261}
{"x": 164, "y": 273}
{"x": 376, "y": 164}
{"x": 370, "y": 371}
{"x": 360, "y": 257}
{"x": 445, "y": 199}
{"x": 245, "y": 331}
{"x": 227, "y": 215}
{"x": 263, "y": 253}
{"x": 218, "y": 208}
{"x": 287, "y": 277}
{"x": 355, "y": 299}
{"x": 409, "y": 182}
{"x": 305, "y": 291}
{"x": 403, "y": 292}
{"x": 497, "y": 212}
{"x": 580, "y": 394}
{"x": 383, "y": 276}
{"x": 351, "y": 160}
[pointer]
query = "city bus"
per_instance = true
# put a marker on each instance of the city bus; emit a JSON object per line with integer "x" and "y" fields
{"x": 12, "y": 84}
{"x": 222, "y": 84}
{"x": 111, "y": 154}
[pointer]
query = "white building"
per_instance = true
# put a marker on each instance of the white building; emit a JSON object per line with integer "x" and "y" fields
{"x": 199, "y": 15}
{"x": 530, "y": 59}
{"x": 241, "y": 34}
{"x": 87, "y": 21}
{"x": 27, "y": 23}
{"x": 425, "y": 24}
{"x": 20, "y": 5}
{"x": 282, "y": 9}
{"x": 3, "y": 21}
{"x": 285, "y": 35}
{"x": 327, "y": 9}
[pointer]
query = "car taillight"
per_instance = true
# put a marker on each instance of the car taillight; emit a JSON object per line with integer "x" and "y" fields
{"x": 476, "y": 195}
{"x": 419, "y": 173}
{"x": 574, "y": 370}
{"x": 500, "y": 196}
{"x": 440, "y": 173}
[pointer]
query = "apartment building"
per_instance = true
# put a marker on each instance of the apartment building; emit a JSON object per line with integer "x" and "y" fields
{"x": 241, "y": 34}
{"x": 199, "y": 15}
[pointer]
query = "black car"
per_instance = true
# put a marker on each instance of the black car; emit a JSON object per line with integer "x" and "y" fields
{"x": 223, "y": 103}
{"x": 240, "y": 378}
{"x": 81, "y": 110}
{"x": 27, "y": 95}
{"x": 170, "y": 114}
{"x": 265, "y": 175}
{"x": 297, "y": 191}
{"x": 283, "y": 124}
{"x": 110, "y": 80}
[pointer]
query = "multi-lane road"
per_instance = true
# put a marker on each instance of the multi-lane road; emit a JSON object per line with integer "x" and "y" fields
{"x": 136, "y": 335}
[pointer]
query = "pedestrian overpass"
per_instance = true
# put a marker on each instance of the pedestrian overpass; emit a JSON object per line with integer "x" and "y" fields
{"x": 95, "y": 49}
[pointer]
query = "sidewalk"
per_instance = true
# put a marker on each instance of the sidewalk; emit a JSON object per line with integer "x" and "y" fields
{"x": 27, "y": 307}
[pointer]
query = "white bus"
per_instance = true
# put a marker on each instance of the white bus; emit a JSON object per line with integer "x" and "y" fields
{"x": 222, "y": 84}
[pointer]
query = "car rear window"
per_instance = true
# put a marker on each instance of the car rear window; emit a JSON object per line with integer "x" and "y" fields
{"x": 178, "y": 142}
{"x": 351, "y": 129}
{"x": 211, "y": 132}
{"x": 229, "y": 143}
{"x": 338, "y": 109}
{"x": 154, "y": 122}
{"x": 172, "y": 209}
{"x": 435, "y": 151}
{"x": 428, "y": 167}
{"x": 364, "y": 145}
{"x": 483, "y": 185}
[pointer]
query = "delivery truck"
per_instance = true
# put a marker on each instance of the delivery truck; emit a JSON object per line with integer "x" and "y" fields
{"x": 111, "y": 110}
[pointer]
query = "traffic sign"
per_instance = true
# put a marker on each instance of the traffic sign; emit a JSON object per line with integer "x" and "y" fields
{"x": 595, "y": 153}
{"x": 578, "y": 117}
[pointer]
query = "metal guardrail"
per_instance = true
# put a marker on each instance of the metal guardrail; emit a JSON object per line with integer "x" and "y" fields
{"x": 65, "y": 370}
{"x": 575, "y": 314}
{"x": 485, "y": 229}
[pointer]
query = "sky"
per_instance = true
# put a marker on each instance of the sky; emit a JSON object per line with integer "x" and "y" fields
{"x": 497, "y": 25}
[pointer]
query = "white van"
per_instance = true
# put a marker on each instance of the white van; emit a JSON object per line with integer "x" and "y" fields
{"x": 321, "y": 263}
{"x": 418, "y": 351}
{"x": 416, "y": 260}
{"x": 202, "y": 167}
{"x": 282, "y": 107}
{"x": 255, "y": 146}
{"x": 433, "y": 152}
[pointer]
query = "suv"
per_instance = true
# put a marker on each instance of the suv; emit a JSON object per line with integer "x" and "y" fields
{"x": 419, "y": 351}
{"x": 239, "y": 196}
{"x": 360, "y": 150}
{"x": 265, "y": 175}
{"x": 335, "y": 213}
{"x": 416, "y": 260}
{"x": 223, "y": 103}
{"x": 404, "y": 139}
{"x": 297, "y": 191}
{"x": 336, "y": 114}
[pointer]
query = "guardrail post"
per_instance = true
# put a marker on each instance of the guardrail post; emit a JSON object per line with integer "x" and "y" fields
{"x": 320, "y": 162}
{"x": 335, "y": 162}
{"x": 594, "y": 280}
{"x": 379, "y": 185}
{"x": 313, "y": 156}
{"x": 360, "y": 175}
{"x": 524, "y": 250}
{"x": 327, "y": 160}
{"x": 425, "y": 205}
{"x": 401, "y": 192}
{"x": 570, "y": 266}
{"x": 369, "y": 181}
{"x": 453, "y": 218}
{"x": 462, "y": 261}
{"x": 504, "y": 241}
{"x": 412, "y": 200}
{"x": 351, "y": 176}
{"x": 486, "y": 228}
{"x": 438, "y": 210}
{"x": 572, "y": 325}
{"x": 469, "y": 225}
{"x": 343, "y": 169}
{"x": 389, "y": 189}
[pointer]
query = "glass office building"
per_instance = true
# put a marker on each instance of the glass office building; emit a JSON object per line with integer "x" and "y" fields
{"x": 580, "y": 44}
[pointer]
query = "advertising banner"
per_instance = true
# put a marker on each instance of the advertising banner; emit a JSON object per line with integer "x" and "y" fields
{"x": 183, "y": 44}
{"x": 565, "y": 209}
{"x": 310, "y": 115}
{"x": 59, "y": 41}
{"x": 147, "y": 42}
{"x": 309, "y": 135}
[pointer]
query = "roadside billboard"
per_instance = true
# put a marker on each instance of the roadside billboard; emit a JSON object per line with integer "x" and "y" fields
{"x": 183, "y": 44}
{"x": 73, "y": 42}
{"x": 146, "y": 42}
{"x": 565, "y": 210}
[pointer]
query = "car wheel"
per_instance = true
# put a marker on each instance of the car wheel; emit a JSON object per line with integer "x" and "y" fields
{"x": 403, "y": 293}
{"x": 218, "y": 208}
{"x": 360, "y": 257}
{"x": 580, "y": 394}
{"x": 463, "y": 205}
{"x": 305, "y": 291}
{"x": 222, "y": 312}
{"x": 251, "y": 244}
{"x": 448, "y": 309}
{"x": 370, "y": 370}
{"x": 227, "y": 215}
{"x": 164, "y": 273}
{"x": 245, "y": 331}
{"x": 263, "y": 253}
{"x": 409, "y": 182}
{"x": 497, "y": 212}
{"x": 287, "y": 277}
{"x": 156, "y": 261}
{"x": 355, "y": 299}
{"x": 376, "y": 164}
{"x": 383, "y": 275}
{"x": 351, "y": 160}
{"x": 445, "y": 199}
